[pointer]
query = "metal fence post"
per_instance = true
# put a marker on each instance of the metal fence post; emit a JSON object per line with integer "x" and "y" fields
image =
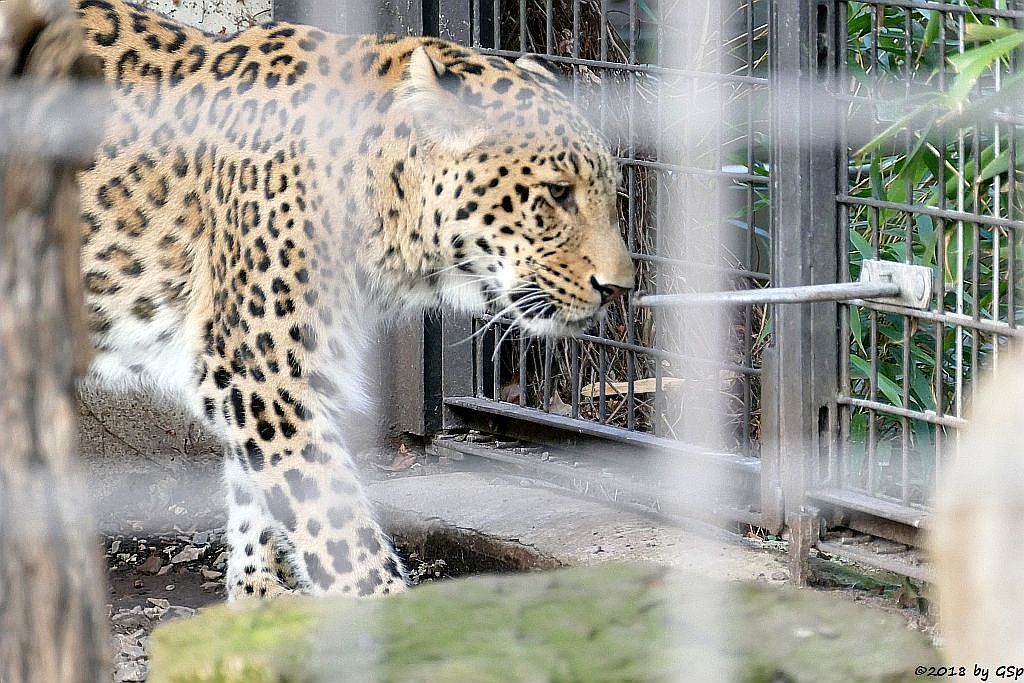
{"x": 450, "y": 364}
{"x": 802, "y": 368}
{"x": 403, "y": 400}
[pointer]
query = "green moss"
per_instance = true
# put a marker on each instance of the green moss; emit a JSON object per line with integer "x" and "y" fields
{"x": 608, "y": 623}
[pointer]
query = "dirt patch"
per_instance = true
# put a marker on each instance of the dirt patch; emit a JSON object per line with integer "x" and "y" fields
{"x": 170, "y": 576}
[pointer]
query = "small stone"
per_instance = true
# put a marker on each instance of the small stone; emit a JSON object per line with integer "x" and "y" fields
{"x": 159, "y": 602}
{"x": 210, "y": 586}
{"x": 221, "y": 560}
{"x": 133, "y": 652}
{"x": 169, "y": 587}
{"x": 210, "y": 573}
{"x": 200, "y": 538}
{"x": 163, "y": 570}
{"x": 129, "y": 672}
{"x": 138, "y": 583}
{"x": 129, "y": 620}
{"x": 151, "y": 565}
{"x": 115, "y": 547}
{"x": 189, "y": 554}
{"x": 179, "y": 612}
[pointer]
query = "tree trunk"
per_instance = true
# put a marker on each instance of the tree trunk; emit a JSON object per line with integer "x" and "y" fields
{"x": 52, "y": 614}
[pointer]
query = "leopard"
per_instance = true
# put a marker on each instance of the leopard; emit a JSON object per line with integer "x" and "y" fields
{"x": 263, "y": 204}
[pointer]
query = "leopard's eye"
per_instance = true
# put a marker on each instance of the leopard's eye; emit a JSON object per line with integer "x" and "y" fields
{"x": 561, "y": 193}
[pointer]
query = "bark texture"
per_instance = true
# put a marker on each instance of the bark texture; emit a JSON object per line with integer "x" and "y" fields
{"x": 52, "y": 606}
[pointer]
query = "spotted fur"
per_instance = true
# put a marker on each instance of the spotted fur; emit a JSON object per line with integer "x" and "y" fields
{"x": 261, "y": 202}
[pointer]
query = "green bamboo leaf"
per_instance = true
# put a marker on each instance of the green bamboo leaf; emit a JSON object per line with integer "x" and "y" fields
{"x": 953, "y": 180}
{"x": 886, "y": 385}
{"x": 972, "y": 63}
{"x": 926, "y": 237}
{"x": 981, "y": 33}
{"x": 860, "y": 244}
{"x": 999, "y": 164}
{"x": 875, "y": 174}
{"x": 916, "y": 118}
{"x": 931, "y": 31}
{"x": 856, "y": 328}
{"x": 981, "y": 107}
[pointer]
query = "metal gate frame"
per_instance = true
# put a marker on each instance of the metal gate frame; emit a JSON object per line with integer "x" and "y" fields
{"x": 452, "y": 395}
{"x": 803, "y": 373}
{"x": 802, "y": 369}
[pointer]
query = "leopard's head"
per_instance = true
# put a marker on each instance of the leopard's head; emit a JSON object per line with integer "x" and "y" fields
{"x": 521, "y": 190}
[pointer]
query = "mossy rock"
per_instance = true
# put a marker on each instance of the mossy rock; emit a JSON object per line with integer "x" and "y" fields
{"x": 607, "y": 623}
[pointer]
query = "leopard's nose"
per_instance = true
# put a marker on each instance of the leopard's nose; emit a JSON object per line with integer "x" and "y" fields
{"x": 608, "y": 292}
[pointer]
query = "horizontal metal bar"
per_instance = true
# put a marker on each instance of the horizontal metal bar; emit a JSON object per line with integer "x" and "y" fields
{"x": 879, "y": 507}
{"x": 841, "y": 291}
{"x": 751, "y": 178}
{"x": 856, "y": 554}
{"x": 661, "y": 353}
{"x": 981, "y": 324}
{"x": 924, "y": 416}
{"x": 585, "y": 471}
{"x": 649, "y": 351}
{"x": 637, "y": 68}
{"x": 745, "y": 463}
{"x": 582, "y": 472}
{"x": 684, "y": 264}
{"x": 947, "y": 214}
{"x": 946, "y": 7}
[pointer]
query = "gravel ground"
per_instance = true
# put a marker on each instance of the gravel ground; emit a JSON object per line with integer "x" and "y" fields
{"x": 157, "y": 578}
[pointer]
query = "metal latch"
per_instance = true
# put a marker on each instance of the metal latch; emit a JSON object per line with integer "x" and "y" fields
{"x": 899, "y": 284}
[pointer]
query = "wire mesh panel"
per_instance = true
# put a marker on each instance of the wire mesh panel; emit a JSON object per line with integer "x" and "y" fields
{"x": 929, "y": 177}
{"x": 618, "y": 378}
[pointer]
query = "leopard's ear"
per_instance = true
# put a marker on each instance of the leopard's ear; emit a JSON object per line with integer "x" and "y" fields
{"x": 441, "y": 117}
{"x": 536, "y": 65}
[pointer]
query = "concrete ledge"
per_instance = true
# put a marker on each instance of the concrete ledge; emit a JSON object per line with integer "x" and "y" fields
{"x": 554, "y": 528}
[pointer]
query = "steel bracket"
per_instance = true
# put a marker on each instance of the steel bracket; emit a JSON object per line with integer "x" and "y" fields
{"x": 914, "y": 282}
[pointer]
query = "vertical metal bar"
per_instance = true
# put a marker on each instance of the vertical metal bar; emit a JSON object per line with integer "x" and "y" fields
{"x": 524, "y": 349}
{"x": 496, "y": 363}
{"x": 631, "y": 213}
{"x": 631, "y": 310}
{"x": 549, "y": 349}
{"x": 497, "y": 18}
{"x": 1012, "y": 238}
{"x": 602, "y": 405}
{"x": 872, "y": 445}
{"x": 804, "y": 53}
{"x": 908, "y": 257}
{"x": 457, "y": 361}
{"x": 576, "y": 29}
{"x": 746, "y": 444}
{"x": 549, "y": 28}
{"x": 839, "y": 463}
{"x": 522, "y": 25}
{"x": 574, "y": 381}
{"x": 604, "y": 32}
{"x": 940, "y": 258}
